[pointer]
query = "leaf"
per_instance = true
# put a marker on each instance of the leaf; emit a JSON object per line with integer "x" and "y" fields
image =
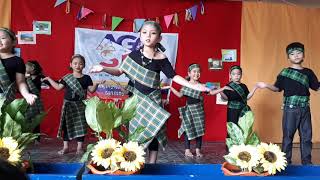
{"x": 86, "y": 155}
{"x": 26, "y": 139}
{"x": 36, "y": 121}
{"x": 235, "y": 133}
{"x": 230, "y": 159}
{"x": 10, "y": 127}
{"x": 129, "y": 108}
{"x": 91, "y": 113}
{"x": 15, "y": 106}
{"x": 105, "y": 116}
{"x": 246, "y": 123}
{"x": 253, "y": 139}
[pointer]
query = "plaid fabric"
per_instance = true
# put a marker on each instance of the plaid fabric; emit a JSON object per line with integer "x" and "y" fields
{"x": 9, "y": 88}
{"x": 73, "y": 114}
{"x": 75, "y": 85}
{"x": 150, "y": 115}
{"x": 295, "y": 75}
{"x": 138, "y": 73}
{"x": 191, "y": 93}
{"x": 301, "y": 101}
{"x": 192, "y": 120}
{"x": 238, "y": 104}
{"x": 37, "y": 107}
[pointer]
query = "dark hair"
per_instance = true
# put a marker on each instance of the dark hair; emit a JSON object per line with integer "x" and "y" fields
{"x": 12, "y": 36}
{"x": 36, "y": 66}
{"x": 154, "y": 24}
{"x": 294, "y": 46}
{"x": 9, "y": 171}
{"x": 80, "y": 57}
{"x": 235, "y": 67}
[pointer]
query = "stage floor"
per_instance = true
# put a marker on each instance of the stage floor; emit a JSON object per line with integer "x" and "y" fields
{"x": 213, "y": 152}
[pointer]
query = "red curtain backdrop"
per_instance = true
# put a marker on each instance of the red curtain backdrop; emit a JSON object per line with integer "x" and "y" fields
{"x": 219, "y": 28}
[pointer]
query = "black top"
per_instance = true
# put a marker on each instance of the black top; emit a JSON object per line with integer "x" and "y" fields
{"x": 37, "y": 82}
{"x": 292, "y": 87}
{"x": 191, "y": 100}
{"x": 12, "y": 66}
{"x": 234, "y": 96}
{"x": 157, "y": 65}
{"x": 85, "y": 82}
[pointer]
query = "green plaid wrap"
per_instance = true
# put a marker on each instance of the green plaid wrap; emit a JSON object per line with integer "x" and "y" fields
{"x": 75, "y": 85}
{"x": 73, "y": 114}
{"x": 191, "y": 93}
{"x": 192, "y": 120}
{"x": 152, "y": 116}
{"x": 301, "y": 101}
{"x": 9, "y": 88}
{"x": 138, "y": 73}
{"x": 238, "y": 104}
{"x": 37, "y": 107}
{"x": 295, "y": 75}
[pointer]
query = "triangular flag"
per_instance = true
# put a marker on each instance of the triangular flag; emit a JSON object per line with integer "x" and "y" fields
{"x": 58, "y": 2}
{"x": 79, "y": 14}
{"x": 85, "y": 12}
{"x": 188, "y": 16}
{"x": 202, "y": 8}
{"x": 168, "y": 19}
{"x": 138, "y": 24}
{"x": 175, "y": 19}
{"x": 158, "y": 20}
{"x": 115, "y": 22}
{"x": 194, "y": 11}
{"x": 104, "y": 20}
{"x": 68, "y": 7}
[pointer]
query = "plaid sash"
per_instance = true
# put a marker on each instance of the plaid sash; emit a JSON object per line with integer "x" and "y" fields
{"x": 73, "y": 114}
{"x": 295, "y": 75}
{"x": 191, "y": 93}
{"x": 138, "y": 73}
{"x": 192, "y": 120}
{"x": 301, "y": 101}
{"x": 37, "y": 107}
{"x": 238, "y": 104}
{"x": 75, "y": 85}
{"x": 150, "y": 115}
{"x": 9, "y": 88}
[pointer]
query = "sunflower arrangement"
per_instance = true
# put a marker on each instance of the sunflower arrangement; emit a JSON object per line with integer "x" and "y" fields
{"x": 108, "y": 154}
{"x": 248, "y": 153}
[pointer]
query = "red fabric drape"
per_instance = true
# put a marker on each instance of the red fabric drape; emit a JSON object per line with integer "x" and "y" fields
{"x": 219, "y": 28}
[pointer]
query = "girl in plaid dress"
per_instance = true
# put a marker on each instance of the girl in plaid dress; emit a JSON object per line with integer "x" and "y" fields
{"x": 12, "y": 69}
{"x": 143, "y": 67}
{"x": 192, "y": 115}
{"x": 73, "y": 121}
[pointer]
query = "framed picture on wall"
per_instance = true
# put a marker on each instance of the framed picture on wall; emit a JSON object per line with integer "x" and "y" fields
{"x": 26, "y": 37}
{"x": 42, "y": 27}
{"x": 220, "y": 100}
{"x": 213, "y": 85}
{"x": 229, "y": 55}
{"x": 215, "y": 64}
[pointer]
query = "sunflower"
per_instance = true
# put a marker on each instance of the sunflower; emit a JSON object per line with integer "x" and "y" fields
{"x": 133, "y": 156}
{"x": 272, "y": 158}
{"x": 246, "y": 156}
{"x": 9, "y": 150}
{"x": 102, "y": 153}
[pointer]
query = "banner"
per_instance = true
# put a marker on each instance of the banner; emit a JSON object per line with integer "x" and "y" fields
{"x": 109, "y": 48}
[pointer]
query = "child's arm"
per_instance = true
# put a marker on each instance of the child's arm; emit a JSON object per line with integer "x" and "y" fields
{"x": 109, "y": 70}
{"x": 224, "y": 96}
{"x": 252, "y": 92}
{"x": 23, "y": 88}
{"x": 54, "y": 84}
{"x": 183, "y": 82}
{"x": 263, "y": 85}
{"x": 95, "y": 85}
{"x": 216, "y": 91}
{"x": 175, "y": 92}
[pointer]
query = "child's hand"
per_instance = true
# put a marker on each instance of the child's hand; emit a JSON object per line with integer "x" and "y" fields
{"x": 100, "y": 82}
{"x": 30, "y": 98}
{"x": 261, "y": 85}
{"x": 96, "y": 69}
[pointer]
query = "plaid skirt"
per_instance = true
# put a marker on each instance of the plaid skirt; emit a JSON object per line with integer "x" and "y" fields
{"x": 34, "y": 109}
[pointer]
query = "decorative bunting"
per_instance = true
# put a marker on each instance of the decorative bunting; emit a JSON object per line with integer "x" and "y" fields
{"x": 202, "y": 8}
{"x": 104, "y": 20}
{"x": 157, "y": 20}
{"x": 188, "y": 16}
{"x": 58, "y": 2}
{"x": 83, "y": 12}
{"x": 194, "y": 11}
{"x": 68, "y": 7}
{"x": 168, "y": 19}
{"x": 137, "y": 24}
{"x": 175, "y": 19}
{"x": 115, "y": 22}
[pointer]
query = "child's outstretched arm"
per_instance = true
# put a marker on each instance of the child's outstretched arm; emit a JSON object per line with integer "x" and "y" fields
{"x": 54, "y": 84}
{"x": 23, "y": 88}
{"x": 110, "y": 70}
{"x": 183, "y": 82}
{"x": 216, "y": 91}
{"x": 175, "y": 92}
{"x": 263, "y": 85}
{"x": 252, "y": 92}
{"x": 95, "y": 85}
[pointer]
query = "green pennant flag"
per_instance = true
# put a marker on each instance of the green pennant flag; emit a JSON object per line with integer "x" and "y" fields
{"x": 115, "y": 22}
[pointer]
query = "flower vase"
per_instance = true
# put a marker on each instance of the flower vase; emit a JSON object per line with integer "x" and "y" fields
{"x": 94, "y": 170}
{"x": 232, "y": 170}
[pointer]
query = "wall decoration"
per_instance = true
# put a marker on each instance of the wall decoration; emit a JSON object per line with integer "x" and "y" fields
{"x": 213, "y": 85}
{"x": 17, "y": 52}
{"x": 42, "y": 27}
{"x": 26, "y": 37}
{"x": 220, "y": 100}
{"x": 215, "y": 64}
{"x": 229, "y": 55}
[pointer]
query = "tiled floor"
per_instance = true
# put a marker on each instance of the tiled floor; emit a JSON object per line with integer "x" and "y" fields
{"x": 174, "y": 153}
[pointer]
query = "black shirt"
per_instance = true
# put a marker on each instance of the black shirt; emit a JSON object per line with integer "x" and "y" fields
{"x": 157, "y": 65}
{"x": 12, "y": 66}
{"x": 292, "y": 87}
{"x": 191, "y": 100}
{"x": 234, "y": 96}
{"x": 85, "y": 82}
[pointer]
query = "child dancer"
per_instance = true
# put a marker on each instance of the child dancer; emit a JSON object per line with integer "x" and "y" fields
{"x": 192, "y": 115}
{"x": 73, "y": 122}
{"x": 295, "y": 81}
{"x": 12, "y": 69}
{"x": 144, "y": 67}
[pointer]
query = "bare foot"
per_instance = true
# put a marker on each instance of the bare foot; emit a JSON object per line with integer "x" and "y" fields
{"x": 63, "y": 151}
{"x": 188, "y": 153}
{"x": 199, "y": 154}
